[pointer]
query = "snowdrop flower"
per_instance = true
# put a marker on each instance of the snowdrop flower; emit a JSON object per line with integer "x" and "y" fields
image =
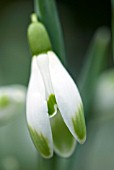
{"x": 52, "y": 90}
{"x": 12, "y": 101}
{"x": 54, "y": 107}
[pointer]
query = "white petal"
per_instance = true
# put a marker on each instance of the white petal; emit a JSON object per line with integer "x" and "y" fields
{"x": 12, "y": 102}
{"x": 43, "y": 64}
{"x": 37, "y": 116}
{"x": 36, "y": 81}
{"x": 68, "y": 98}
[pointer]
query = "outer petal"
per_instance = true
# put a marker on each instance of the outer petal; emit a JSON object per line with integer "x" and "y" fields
{"x": 68, "y": 98}
{"x": 64, "y": 142}
{"x": 37, "y": 116}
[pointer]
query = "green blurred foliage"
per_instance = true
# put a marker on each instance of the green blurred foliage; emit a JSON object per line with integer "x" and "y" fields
{"x": 14, "y": 52}
{"x": 16, "y": 148}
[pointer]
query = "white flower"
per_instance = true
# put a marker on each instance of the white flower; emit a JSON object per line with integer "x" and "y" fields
{"x": 12, "y": 101}
{"x": 54, "y": 107}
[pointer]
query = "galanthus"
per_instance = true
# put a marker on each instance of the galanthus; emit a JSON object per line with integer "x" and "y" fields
{"x": 54, "y": 107}
{"x": 12, "y": 102}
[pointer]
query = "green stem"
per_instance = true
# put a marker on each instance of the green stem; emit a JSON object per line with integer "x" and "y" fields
{"x": 34, "y": 18}
{"x": 47, "y": 13}
{"x": 47, "y": 164}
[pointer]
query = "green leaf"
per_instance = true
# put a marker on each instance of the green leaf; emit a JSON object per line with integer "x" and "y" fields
{"x": 96, "y": 62}
{"x": 112, "y": 4}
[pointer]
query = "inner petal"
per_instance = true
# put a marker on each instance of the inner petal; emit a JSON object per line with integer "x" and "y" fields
{"x": 43, "y": 64}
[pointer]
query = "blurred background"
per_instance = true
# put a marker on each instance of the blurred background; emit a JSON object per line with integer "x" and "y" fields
{"x": 80, "y": 22}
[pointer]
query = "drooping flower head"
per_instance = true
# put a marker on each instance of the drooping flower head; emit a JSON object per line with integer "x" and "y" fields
{"x": 54, "y": 106}
{"x": 12, "y": 102}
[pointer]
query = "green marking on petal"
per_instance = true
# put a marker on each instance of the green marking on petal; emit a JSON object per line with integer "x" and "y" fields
{"x": 51, "y": 104}
{"x": 64, "y": 142}
{"x": 79, "y": 125}
{"x": 4, "y": 101}
{"x": 40, "y": 142}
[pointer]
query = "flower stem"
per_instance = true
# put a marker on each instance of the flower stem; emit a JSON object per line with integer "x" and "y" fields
{"x": 47, "y": 13}
{"x": 47, "y": 164}
{"x": 34, "y": 17}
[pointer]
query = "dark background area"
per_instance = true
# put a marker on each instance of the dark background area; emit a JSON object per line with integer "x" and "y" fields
{"x": 79, "y": 20}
